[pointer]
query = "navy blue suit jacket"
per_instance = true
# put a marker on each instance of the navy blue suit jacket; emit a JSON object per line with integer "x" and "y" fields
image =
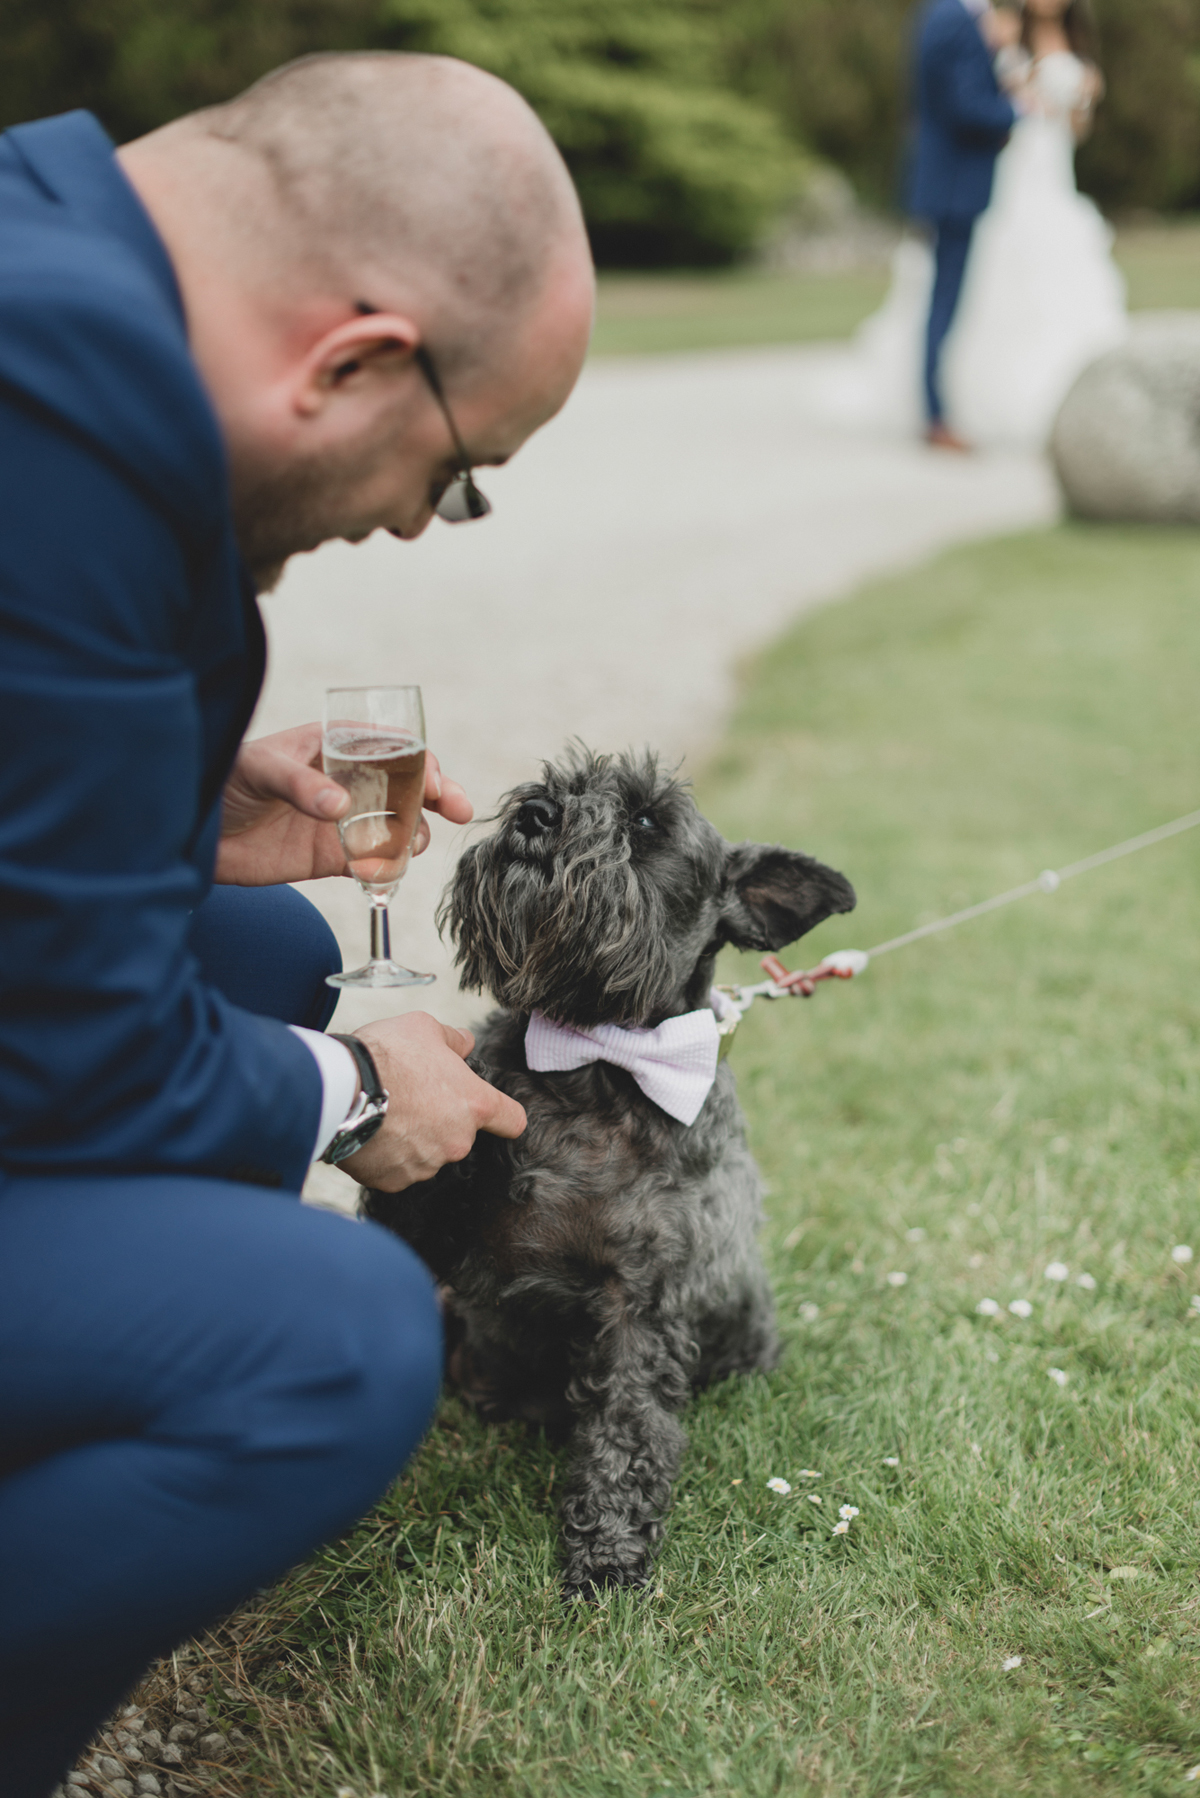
{"x": 963, "y": 118}
{"x": 131, "y": 656}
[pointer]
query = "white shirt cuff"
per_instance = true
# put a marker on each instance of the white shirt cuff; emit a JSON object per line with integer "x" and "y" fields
{"x": 339, "y": 1082}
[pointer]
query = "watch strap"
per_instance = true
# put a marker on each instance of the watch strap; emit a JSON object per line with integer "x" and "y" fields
{"x": 368, "y": 1073}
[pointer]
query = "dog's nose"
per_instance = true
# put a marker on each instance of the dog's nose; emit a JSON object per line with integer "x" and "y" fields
{"x": 537, "y": 817}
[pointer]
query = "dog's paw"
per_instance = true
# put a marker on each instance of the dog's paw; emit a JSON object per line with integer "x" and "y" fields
{"x": 588, "y": 1587}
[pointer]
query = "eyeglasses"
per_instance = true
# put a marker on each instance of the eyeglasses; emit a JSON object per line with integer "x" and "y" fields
{"x": 462, "y": 500}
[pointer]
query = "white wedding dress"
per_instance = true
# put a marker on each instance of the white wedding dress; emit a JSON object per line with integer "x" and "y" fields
{"x": 1042, "y": 297}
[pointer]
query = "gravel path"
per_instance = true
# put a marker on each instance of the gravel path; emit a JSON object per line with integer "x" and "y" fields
{"x": 679, "y": 513}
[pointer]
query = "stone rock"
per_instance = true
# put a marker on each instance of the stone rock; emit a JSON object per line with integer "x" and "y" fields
{"x": 172, "y": 1755}
{"x": 182, "y": 1732}
{"x": 152, "y": 1743}
{"x": 111, "y": 1769}
{"x": 1126, "y": 443}
{"x": 146, "y": 1782}
{"x": 120, "y": 1788}
{"x": 214, "y": 1746}
{"x": 80, "y": 1780}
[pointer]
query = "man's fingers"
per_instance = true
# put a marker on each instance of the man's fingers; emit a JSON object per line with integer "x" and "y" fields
{"x": 503, "y": 1117}
{"x": 445, "y": 796}
{"x": 308, "y": 789}
{"x": 461, "y": 1041}
{"x": 454, "y": 803}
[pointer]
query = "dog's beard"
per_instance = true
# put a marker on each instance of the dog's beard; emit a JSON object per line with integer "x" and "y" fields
{"x": 589, "y": 945}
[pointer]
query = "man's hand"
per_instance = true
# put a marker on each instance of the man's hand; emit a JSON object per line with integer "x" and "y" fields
{"x": 436, "y": 1104}
{"x": 1001, "y": 27}
{"x": 281, "y": 812}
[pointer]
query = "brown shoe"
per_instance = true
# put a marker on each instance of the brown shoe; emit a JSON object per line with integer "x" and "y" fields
{"x": 940, "y": 436}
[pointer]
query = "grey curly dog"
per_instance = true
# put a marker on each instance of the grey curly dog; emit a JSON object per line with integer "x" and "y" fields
{"x": 604, "y": 1266}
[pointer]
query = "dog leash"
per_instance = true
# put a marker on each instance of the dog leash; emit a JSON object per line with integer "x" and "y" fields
{"x": 844, "y": 964}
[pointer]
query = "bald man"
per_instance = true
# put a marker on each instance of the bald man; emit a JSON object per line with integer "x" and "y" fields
{"x": 309, "y": 313}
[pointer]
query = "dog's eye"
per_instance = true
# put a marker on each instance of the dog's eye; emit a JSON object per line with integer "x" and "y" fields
{"x": 645, "y": 821}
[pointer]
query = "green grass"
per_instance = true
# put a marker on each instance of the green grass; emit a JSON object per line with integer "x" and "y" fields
{"x": 1162, "y": 265}
{"x": 640, "y": 314}
{"x": 1023, "y": 1091}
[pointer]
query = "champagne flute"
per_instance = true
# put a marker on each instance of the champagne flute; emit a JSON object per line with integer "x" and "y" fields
{"x": 374, "y": 745}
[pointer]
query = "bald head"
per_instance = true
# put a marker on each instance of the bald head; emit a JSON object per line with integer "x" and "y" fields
{"x": 336, "y": 227}
{"x": 407, "y": 180}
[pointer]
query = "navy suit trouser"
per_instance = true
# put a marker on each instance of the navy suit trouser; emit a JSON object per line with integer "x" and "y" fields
{"x": 952, "y": 246}
{"x": 199, "y": 1383}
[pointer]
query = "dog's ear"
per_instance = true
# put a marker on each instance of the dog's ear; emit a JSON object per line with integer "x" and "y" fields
{"x": 772, "y": 896}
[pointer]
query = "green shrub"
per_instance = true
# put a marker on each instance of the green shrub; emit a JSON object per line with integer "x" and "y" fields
{"x": 672, "y": 164}
{"x": 685, "y": 122}
{"x": 1146, "y": 150}
{"x": 836, "y": 73}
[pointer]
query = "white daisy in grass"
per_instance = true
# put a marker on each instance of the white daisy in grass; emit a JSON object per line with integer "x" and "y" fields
{"x": 1086, "y": 1281}
{"x": 846, "y": 1512}
{"x": 1014, "y": 1660}
{"x": 1021, "y": 1308}
{"x": 894, "y": 1460}
{"x": 897, "y": 1279}
{"x": 988, "y": 1308}
{"x": 1181, "y": 1254}
{"x": 842, "y": 1528}
{"x": 783, "y": 1487}
{"x": 809, "y": 1313}
{"x": 1058, "y": 1376}
{"x": 1193, "y": 1772}
{"x": 814, "y": 1498}
{"x": 1196, "y": 1301}
{"x": 808, "y": 1473}
{"x": 1058, "y": 1271}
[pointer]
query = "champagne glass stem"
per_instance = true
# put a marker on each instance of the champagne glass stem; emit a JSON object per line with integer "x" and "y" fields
{"x": 381, "y": 930}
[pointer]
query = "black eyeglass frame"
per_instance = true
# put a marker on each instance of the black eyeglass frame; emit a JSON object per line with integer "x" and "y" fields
{"x": 462, "y": 501}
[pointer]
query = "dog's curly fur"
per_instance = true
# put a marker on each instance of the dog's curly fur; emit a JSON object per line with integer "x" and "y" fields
{"x": 603, "y": 1266}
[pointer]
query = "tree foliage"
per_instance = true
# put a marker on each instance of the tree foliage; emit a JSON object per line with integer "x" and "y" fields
{"x": 672, "y": 163}
{"x": 836, "y": 72}
{"x": 685, "y": 122}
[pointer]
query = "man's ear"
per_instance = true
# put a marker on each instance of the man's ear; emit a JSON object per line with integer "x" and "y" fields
{"x": 364, "y": 344}
{"x": 772, "y": 896}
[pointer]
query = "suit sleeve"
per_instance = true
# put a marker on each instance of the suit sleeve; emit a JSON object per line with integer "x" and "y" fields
{"x": 964, "y": 92}
{"x": 114, "y": 1055}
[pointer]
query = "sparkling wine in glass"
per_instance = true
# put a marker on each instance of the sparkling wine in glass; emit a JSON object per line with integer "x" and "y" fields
{"x": 374, "y": 746}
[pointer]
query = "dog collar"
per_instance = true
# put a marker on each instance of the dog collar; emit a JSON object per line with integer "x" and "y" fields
{"x": 674, "y": 1064}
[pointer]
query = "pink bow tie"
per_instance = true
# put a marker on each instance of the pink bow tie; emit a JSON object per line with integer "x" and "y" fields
{"x": 675, "y": 1064}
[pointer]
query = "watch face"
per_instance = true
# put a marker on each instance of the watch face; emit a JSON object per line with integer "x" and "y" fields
{"x": 348, "y": 1142}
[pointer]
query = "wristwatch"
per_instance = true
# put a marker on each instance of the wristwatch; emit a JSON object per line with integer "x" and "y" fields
{"x": 370, "y": 1108}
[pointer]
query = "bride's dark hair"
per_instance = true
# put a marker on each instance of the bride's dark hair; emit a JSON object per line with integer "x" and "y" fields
{"x": 1079, "y": 26}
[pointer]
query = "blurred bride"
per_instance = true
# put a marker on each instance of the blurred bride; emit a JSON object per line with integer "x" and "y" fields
{"x": 1042, "y": 296}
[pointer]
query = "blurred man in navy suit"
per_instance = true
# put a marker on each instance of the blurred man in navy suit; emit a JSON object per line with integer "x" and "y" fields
{"x": 963, "y": 123}
{"x": 301, "y": 315}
